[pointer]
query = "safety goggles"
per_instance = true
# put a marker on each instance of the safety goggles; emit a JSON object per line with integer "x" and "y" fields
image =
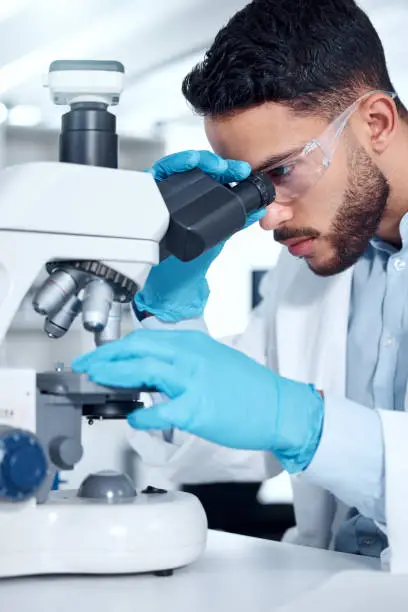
{"x": 296, "y": 174}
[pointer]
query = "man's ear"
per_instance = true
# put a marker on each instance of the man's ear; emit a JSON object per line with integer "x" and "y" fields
{"x": 380, "y": 115}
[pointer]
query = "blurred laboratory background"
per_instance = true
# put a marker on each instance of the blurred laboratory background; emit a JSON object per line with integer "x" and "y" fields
{"x": 158, "y": 41}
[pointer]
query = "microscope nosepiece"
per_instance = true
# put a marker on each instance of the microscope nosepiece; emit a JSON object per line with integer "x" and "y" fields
{"x": 54, "y": 293}
{"x": 97, "y": 302}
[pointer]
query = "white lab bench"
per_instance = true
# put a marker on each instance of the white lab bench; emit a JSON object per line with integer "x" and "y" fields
{"x": 236, "y": 574}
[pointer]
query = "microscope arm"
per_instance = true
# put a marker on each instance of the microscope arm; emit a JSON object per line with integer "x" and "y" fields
{"x": 53, "y": 211}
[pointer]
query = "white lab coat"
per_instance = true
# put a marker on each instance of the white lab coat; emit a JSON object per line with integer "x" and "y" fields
{"x": 300, "y": 331}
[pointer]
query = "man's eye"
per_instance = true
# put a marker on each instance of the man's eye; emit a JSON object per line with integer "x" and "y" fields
{"x": 282, "y": 171}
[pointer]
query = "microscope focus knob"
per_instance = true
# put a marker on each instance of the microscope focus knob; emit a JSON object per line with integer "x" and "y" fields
{"x": 65, "y": 452}
{"x": 23, "y": 465}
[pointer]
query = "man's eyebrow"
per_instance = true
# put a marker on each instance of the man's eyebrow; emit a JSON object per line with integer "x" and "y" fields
{"x": 274, "y": 160}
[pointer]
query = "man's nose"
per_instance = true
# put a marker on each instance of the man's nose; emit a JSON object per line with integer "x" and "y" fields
{"x": 276, "y": 215}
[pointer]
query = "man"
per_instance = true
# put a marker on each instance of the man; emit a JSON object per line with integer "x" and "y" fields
{"x": 300, "y": 90}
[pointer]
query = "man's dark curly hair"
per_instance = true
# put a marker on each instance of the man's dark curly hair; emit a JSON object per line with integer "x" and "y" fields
{"x": 312, "y": 55}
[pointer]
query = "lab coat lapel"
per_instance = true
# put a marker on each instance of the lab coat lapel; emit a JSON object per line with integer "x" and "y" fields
{"x": 311, "y": 329}
{"x": 311, "y": 346}
{"x": 395, "y": 432}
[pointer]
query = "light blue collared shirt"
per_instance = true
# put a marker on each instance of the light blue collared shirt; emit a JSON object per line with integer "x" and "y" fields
{"x": 377, "y": 374}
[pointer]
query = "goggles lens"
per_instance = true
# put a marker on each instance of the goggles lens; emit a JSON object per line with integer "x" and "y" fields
{"x": 296, "y": 175}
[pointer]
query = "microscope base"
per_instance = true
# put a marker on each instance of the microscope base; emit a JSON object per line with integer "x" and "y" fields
{"x": 69, "y": 535}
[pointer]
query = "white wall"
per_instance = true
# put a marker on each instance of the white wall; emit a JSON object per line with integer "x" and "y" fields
{"x": 20, "y": 145}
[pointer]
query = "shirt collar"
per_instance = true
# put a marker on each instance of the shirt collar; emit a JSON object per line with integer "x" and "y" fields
{"x": 388, "y": 248}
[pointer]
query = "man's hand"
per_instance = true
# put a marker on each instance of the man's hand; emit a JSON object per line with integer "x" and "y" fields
{"x": 215, "y": 392}
{"x": 177, "y": 290}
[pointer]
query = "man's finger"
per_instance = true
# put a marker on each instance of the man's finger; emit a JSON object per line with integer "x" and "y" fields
{"x": 139, "y": 373}
{"x": 212, "y": 164}
{"x": 141, "y": 343}
{"x": 206, "y": 161}
{"x": 236, "y": 171}
{"x": 172, "y": 164}
{"x": 161, "y": 416}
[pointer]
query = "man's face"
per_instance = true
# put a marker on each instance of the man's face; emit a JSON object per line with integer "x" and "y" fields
{"x": 331, "y": 224}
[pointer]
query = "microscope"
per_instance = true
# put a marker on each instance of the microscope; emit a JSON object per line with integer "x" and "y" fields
{"x": 97, "y": 231}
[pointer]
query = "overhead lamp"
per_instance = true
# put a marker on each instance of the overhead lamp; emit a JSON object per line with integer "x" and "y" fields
{"x": 24, "y": 115}
{"x": 3, "y": 113}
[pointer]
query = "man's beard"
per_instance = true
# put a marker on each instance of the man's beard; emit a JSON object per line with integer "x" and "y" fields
{"x": 356, "y": 221}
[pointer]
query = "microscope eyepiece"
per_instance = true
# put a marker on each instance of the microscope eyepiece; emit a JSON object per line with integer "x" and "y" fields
{"x": 203, "y": 212}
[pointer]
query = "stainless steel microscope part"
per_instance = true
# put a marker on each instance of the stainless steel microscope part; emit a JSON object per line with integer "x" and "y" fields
{"x": 57, "y": 290}
{"x": 112, "y": 328}
{"x": 56, "y": 325}
{"x": 96, "y": 304}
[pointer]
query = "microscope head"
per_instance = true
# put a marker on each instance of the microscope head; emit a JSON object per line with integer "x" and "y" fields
{"x": 88, "y": 137}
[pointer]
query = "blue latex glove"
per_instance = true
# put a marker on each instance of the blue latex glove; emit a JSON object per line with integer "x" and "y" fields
{"x": 177, "y": 290}
{"x": 215, "y": 392}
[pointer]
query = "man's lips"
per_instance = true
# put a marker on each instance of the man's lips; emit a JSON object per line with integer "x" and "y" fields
{"x": 299, "y": 247}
